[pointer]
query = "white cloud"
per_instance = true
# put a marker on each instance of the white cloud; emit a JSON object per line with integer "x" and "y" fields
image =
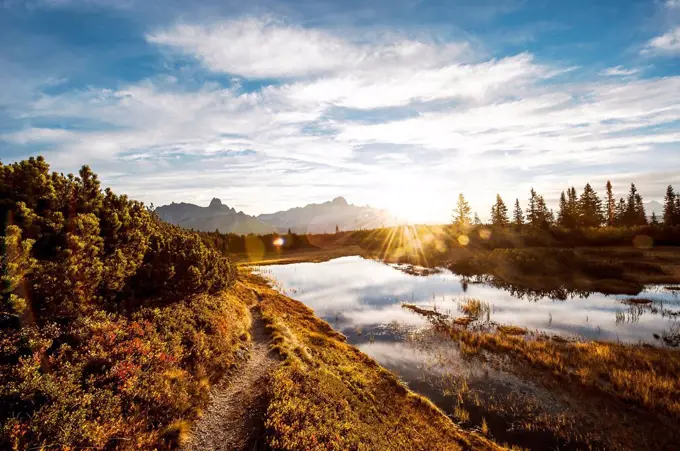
{"x": 388, "y": 87}
{"x": 587, "y": 124}
{"x": 666, "y": 44}
{"x": 259, "y": 48}
{"x": 620, "y": 71}
{"x": 39, "y": 135}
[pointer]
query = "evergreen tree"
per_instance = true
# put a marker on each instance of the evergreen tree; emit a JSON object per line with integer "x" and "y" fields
{"x": 568, "y": 215}
{"x": 517, "y": 214}
{"x": 620, "y": 213}
{"x": 635, "y": 211}
{"x": 563, "y": 213}
{"x": 611, "y": 205}
{"x": 499, "y": 213}
{"x": 655, "y": 220}
{"x": 461, "y": 214}
{"x": 676, "y": 221}
{"x": 590, "y": 208}
{"x": 547, "y": 217}
{"x": 477, "y": 221}
{"x": 640, "y": 215}
{"x": 532, "y": 214}
{"x": 538, "y": 214}
{"x": 573, "y": 208}
{"x": 669, "y": 212}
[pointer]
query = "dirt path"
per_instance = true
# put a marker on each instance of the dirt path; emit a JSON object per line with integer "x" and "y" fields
{"x": 235, "y": 417}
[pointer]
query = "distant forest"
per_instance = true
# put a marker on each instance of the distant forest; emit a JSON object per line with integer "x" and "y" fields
{"x": 586, "y": 210}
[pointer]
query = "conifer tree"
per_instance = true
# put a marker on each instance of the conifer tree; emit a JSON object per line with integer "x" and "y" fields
{"x": 499, "y": 213}
{"x": 590, "y": 208}
{"x": 631, "y": 217}
{"x": 573, "y": 208}
{"x": 640, "y": 215}
{"x": 669, "y": 212}
{"x": 517, "y": 214}
{"x": 547, "y": 216}
{"x": 538, "y": 214}
{"x": 476, "y": 219}
{"x": 563, "y": 213}
{"x": 532, "y": 214}
{"x": 611, "y": 205}
{"x": 655, "y": 220}
{"x": 620, "y": 213}
{"x": 461, "y": 214}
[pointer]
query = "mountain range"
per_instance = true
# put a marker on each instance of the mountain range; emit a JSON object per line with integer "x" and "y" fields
{"x": 312, "y": 218}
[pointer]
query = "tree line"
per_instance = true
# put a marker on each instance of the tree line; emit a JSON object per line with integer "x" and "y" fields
{"x": 585, "y": 210}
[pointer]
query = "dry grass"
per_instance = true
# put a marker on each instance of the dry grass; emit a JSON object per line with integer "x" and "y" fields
{"x": 330, "y": 396}
{"x": 512, "y": 330}
{"x": 474, "y": 308}
{"x": 645, "y": 376}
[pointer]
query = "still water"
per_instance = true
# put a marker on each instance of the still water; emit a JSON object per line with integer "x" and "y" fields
{"x": 361, "y": 298}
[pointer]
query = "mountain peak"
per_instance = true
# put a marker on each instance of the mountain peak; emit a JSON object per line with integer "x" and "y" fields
{"x": 339, "y": 201}
{"x": 215, "y": 203}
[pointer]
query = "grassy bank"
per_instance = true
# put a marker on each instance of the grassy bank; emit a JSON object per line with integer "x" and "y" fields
{"x": 647, "y": 377}
{"x": 330, "y": 396}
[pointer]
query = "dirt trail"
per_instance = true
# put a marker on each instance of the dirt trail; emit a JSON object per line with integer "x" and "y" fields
{"x": 235, "y": 417}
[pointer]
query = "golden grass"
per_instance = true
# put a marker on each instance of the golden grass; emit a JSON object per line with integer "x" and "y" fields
{"x": 329, "y": 396}
{"x": 648, "y": 377}
{"x": 512, "y": 330}
{"x": 474, "y": 308}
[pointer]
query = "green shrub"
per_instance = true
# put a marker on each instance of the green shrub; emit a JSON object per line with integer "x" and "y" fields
{"x": 113, "y": 324}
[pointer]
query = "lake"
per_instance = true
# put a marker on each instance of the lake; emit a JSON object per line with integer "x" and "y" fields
{"x": 361, "y": 298}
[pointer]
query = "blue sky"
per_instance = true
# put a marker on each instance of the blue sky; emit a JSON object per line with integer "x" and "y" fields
{"x": 399, "y": 104}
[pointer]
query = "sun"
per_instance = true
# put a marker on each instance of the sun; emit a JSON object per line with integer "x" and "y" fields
{"x": 410, "y": 204}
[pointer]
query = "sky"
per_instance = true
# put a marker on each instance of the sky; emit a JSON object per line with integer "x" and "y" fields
{"x": 400, "y": 104}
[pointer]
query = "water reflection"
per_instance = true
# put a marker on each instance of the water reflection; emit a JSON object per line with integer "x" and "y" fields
{"x": 360, "y": 297}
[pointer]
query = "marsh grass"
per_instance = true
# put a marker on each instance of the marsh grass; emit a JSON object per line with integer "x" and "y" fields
{"x": 647, "y": 377}
{"x": 474, "y": 308}
{"x": 512, "y": 330}
{"x": 329, "y": 396}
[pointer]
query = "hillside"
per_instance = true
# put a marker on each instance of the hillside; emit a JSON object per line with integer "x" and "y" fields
{"x": 216, "y": 216}
{"x": 312, "y": 218}
{"x": 324, "y": 217}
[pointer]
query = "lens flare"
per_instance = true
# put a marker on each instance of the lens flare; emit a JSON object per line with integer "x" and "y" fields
{"x": 278, "y": 242}
{"x": 463, "y": 240}
{"x": 485, "y": 234}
